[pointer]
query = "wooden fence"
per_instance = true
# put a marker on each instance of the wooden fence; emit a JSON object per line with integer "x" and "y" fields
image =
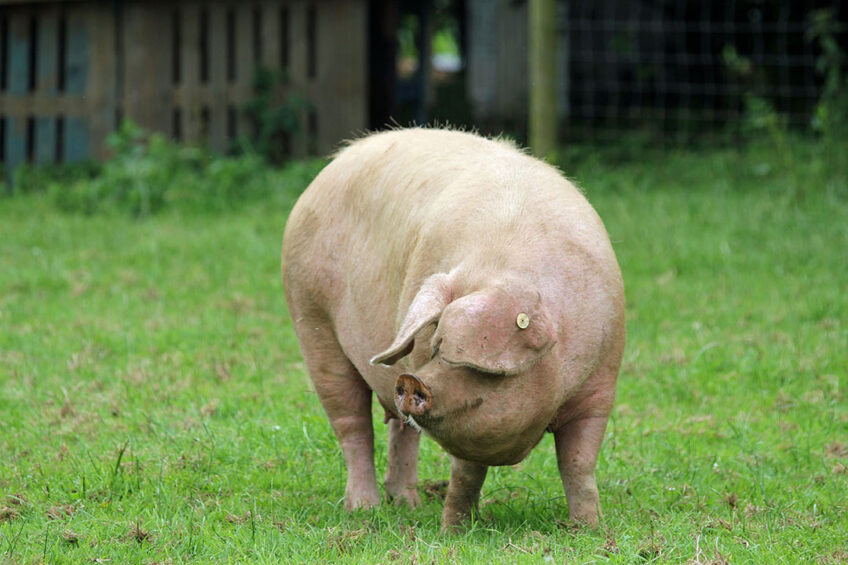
{"x": 71, "y": 71}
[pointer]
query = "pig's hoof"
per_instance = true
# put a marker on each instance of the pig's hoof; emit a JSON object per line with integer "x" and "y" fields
{"x": 454, "y": 527}
{"x": 357, "y": 500}
{"x": 588, "y": 520}
{"x": 454, "y": 522}
{"x": 407, "y": 495}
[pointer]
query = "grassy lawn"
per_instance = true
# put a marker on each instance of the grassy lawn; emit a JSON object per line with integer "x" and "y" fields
{"x": 154, "y": 406}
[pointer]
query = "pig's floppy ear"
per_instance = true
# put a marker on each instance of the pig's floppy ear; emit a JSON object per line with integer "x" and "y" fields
{"x": 495, "y": 331}
{"x": 425, "y": 309}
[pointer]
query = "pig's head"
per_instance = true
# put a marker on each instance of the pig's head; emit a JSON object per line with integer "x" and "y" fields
{"x": 485, "y": 387}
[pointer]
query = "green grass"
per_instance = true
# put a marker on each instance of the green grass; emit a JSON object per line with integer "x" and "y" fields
{"x": 154, "y": 406}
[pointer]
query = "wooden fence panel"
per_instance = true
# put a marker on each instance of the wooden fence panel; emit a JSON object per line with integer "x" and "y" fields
{"x": 48, "y": 50}
{"x": 102, "y": 92}
{"x": 46, "y": 83}
{"x": 297, "y": 65}
{"x": 78, "y": 54}
{"x": 270, "y": 33}
{"x": 146, "y": 78}
{"x": 184, "y": 68}
{"x": 16, "y": 150}
{"x": 216, "y": 136}
{"x": 77, "y": 139}
{"x": 77, "y": 130}
{"x": 17, "y": 70}
{"x": 18, "y": 53}
{"x": 187, "y": 99}
{"x": 45, "y": 140}
{"x": 339, "y": 56}
{"x": 244, "y": 64}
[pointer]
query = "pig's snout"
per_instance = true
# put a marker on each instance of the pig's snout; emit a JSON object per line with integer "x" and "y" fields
{"x": 412, "y": 397}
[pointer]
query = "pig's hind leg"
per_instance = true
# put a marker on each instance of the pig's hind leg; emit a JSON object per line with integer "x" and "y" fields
{"x": 346, "y": 399}
{"x": 402, "y": 464}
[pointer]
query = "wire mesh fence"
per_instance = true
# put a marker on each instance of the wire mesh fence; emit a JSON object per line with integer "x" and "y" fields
{"x": 686, "y": 70}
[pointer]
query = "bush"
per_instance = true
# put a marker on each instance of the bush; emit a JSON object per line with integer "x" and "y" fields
{"x": 29, "y": 178}
{"x": 148, "y": 173}
{"x": 275, "y": 117}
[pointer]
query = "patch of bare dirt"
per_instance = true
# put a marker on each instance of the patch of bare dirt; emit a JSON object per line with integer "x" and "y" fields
{"x": 242, "y": 518}
{"x": 732, "y": 500}
{"x": 8, "y": 513}
{"x": 138, "y": 534}
{"x": 344, "y": 540}
{"x": 837, "y": 449}
{"x": 436, "y": 490}
{"x": 71, "y": 537}
{"x": 60, "y": 512}
{"x": 839, "y": 556}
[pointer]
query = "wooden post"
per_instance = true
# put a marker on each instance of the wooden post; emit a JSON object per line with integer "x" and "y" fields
{"x": 422, "y": 79}
{"x": 543, "y": 52}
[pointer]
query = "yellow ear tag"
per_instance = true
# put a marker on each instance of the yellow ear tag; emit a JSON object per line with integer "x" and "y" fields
{"x": 522, "y": 321}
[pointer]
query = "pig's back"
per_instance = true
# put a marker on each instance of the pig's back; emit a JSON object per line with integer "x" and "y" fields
{"x": 385, "y": 196}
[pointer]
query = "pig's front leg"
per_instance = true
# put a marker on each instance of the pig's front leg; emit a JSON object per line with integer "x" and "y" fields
{"x": 350, "y": 418}
{"x": 577, "y": 445}
{"x": 346, "y": 399}
{"x": 402, "y": 464}
{"x": 466, "y": 480}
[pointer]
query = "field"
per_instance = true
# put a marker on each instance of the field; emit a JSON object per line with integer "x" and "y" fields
{"x": 154, "y": 407}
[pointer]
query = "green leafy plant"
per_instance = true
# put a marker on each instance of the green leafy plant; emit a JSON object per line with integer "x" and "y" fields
{"x": 276, "y": 113}
{"x": 762, "y": 118}
{"x": 832, "y": 110}
{"x": 30, "y": 178}
{"x": 148, "y": 173}
{"x": 831, "y": 113}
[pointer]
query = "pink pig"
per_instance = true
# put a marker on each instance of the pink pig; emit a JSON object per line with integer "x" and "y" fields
{"x": 474, "y": 290}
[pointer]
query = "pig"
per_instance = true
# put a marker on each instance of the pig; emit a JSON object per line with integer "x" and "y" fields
{"x": 474, "y": 291}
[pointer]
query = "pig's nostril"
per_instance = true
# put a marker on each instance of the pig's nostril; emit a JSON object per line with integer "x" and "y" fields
{"x": 412, "y": 396}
